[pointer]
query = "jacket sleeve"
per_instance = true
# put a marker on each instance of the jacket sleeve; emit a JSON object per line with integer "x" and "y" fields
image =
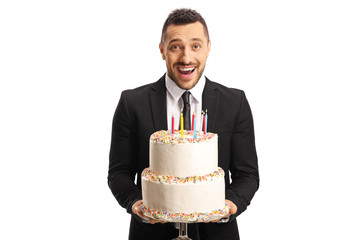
{"x": 243, "y": 159}
{"x": 123, "y": 157}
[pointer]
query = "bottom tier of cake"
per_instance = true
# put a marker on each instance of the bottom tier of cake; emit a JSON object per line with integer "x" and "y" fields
{"x": 191, "y": 199}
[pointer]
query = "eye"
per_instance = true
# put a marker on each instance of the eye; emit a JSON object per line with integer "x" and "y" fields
{"x": 196, "y": 46}
{"x": 174, "y": 47}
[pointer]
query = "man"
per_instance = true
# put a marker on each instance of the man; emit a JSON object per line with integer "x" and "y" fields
{"x": 185, "y": 46}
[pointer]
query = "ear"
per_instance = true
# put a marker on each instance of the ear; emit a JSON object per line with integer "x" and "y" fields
{"x": 162, "y": 51}
{"x": 209, "y": 47}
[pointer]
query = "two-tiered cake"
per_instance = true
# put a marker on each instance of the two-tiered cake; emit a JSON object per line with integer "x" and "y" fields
{"x": 183, "y": 182}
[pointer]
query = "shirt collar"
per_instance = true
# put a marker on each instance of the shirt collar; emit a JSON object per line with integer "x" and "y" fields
{"x": 176, "y": 92}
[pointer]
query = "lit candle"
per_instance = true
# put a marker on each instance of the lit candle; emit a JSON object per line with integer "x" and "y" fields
{"x": 203, "y": 118}
{"x": 194, "y": 121}
{"x": 172, "y": 124}
{"x": 182, "y": 124}
{"x": 206, "y": 117}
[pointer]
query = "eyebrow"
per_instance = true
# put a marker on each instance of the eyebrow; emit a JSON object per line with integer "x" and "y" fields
{"x": 179, "y": 40}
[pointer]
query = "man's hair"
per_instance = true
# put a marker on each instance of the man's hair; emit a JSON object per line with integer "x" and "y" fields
{"x": 181, "y": 17}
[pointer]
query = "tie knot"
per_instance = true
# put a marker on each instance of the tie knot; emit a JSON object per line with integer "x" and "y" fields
{"x": 185, "y": 96}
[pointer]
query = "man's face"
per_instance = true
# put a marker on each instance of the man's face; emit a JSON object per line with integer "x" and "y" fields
{"x": 185, "y": 51}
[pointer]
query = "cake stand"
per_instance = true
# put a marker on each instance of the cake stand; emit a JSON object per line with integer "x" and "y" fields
{"x": 183, "y": 232}
{"x": 184, "y": 219}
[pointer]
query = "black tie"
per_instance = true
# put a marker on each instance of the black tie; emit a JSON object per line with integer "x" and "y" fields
{"x": 186, "y": 110}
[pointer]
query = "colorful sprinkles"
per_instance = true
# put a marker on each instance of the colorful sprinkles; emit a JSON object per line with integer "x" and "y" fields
{"x": 183, "y": 217}
{"x": 149, "y": 175}
{"x": 168, "y": 138}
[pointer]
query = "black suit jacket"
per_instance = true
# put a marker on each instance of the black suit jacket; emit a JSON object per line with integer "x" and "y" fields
{"x": 142, "y": 111}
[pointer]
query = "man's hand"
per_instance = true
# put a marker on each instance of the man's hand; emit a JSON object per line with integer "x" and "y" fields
{"x": 233, "y": 209}
{"x": 136, "y": 209}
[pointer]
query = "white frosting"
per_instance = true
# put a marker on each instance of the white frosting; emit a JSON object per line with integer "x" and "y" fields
{"x": 184, "y": 159}
{"x": 186, "y": 197}
{"x": 172, "y": 156}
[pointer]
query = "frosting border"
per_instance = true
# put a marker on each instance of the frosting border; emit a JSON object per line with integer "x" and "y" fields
{"x": 165, "y": 136}
{"x": 186, "y": 217}
{"x": 150, "y": 175}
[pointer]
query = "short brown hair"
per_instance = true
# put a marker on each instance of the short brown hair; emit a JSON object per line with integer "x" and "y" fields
{"x": 181, "y": 17}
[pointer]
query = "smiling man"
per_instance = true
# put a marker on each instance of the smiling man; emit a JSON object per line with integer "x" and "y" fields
{"x": 185, "y": 47}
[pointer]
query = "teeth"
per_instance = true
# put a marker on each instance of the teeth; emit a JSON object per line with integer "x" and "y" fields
{"x": 186, "y": 69}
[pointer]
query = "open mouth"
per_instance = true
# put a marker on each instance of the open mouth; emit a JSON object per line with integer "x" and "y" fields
{"x": 186, "y": 72}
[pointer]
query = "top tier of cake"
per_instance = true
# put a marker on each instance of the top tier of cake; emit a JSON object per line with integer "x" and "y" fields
{"x": 173, "y": 155}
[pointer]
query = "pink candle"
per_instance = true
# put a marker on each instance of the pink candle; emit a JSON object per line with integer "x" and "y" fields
{"x": 172, "y": 124}
{"x": 192, "y": 123}
{"x": 204, "y": 127}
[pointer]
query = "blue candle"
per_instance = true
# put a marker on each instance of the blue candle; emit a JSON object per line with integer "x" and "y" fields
{"x": 194, "y": 125}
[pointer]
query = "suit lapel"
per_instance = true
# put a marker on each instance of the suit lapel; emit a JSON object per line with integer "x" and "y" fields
{"x": 158, "y": 104}
{"x": 210, "y": 103}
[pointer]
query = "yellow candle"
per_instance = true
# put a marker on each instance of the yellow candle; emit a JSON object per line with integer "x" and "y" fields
{"x": 182, "y": 124}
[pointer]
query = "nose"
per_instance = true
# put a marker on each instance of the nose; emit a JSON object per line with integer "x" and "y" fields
{"x": 186, "y": 56}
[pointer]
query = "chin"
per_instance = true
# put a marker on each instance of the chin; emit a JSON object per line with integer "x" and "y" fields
{"x": 187, "y": 86}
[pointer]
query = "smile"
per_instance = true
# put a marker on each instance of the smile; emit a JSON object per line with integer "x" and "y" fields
{"x": 186, "y": 72}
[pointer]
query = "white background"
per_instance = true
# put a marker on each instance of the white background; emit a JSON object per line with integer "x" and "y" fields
{"x": 63, "y": 65}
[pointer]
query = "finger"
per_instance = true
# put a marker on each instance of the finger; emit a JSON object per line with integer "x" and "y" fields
{"x": 233, "y": 207}
{"x": 160, "y": 221}
{"x": 141, "y": 214}
{"x": 156, "y": 220}
{"x": 215, "y": 221}
{"x": 138, "y": 212}
{"x": 151, "y": 220}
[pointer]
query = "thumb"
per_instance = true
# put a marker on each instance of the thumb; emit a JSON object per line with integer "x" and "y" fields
{"x": 136, "y": 210}
{"x": 233, "y": 208}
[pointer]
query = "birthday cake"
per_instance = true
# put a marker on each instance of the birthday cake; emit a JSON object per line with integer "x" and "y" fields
{"x": 183, "y": 182}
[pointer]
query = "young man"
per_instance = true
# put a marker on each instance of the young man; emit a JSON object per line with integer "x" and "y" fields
{"x": 185, "y": 46}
